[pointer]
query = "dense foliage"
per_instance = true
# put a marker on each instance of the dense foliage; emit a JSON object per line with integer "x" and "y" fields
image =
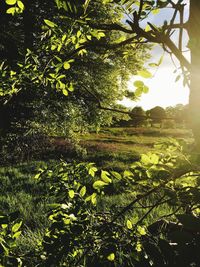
{"x": 81, "y": 233}
{"x": 63, "y": 64}
{"x": 37, "y": 80}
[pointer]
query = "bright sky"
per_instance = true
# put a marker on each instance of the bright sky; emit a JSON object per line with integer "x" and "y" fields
{"x": 163, "y": 90}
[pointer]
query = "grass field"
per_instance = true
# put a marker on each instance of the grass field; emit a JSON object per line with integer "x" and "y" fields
{"x": 116, "y": 148}
{"x": 111, "y": 149}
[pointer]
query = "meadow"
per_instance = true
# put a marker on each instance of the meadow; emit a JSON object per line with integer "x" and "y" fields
{"x": 112, "y": 149}
{"x": 116, "y": 148}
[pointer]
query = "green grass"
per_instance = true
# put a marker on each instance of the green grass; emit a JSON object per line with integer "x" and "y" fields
{"x": 19, "y": 191}
{"x": 116, "y": 148}
{"x": 111, "y": 149}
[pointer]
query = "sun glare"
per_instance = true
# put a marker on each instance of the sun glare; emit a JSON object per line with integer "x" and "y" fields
{"x": 163, "y": 90}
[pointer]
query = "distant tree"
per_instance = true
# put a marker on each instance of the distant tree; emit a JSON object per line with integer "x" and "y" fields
{"x": 179, "y": 114}
{"x": 156, "y": 115}
{"x": 138, "y": 116}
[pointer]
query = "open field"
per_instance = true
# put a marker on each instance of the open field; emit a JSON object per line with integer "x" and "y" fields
{"x": 111, "y": 149}
{"x": 116, "y": 148}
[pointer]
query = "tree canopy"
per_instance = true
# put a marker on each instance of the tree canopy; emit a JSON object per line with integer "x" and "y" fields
{"x": 53, "y": 53}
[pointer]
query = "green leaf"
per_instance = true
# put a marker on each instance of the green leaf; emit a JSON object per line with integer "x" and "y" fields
{"x": 99, "y": 184}
{"x": 141, "y": 230}
{"x": 153, "y": 65}
{"x": 138, "y": 91}
{"x": 129, "y": 224}
{"x": 92, "y": 171}
{"x": 49, "y": 23}
{"x": 160, "y": 60}
{"x": 94, "y": 198}
{"x": 111, "y": 257}
{"x": 138, "y": 247}
{"x": 11, "y": 10}
{"x": 16, "y": 227}
{"x": 11, "y": 2}
{"x": 154, "y": 159}
{"x": 83, "y": 191}
{"x": 85, "y": 6}
{"x": 128, "y": 174}
{"x": 105, "y": 178}
{"x": 145, "y": 89}
{"x": 138, "y": 84}
{"x": 78, "y": 34}
{"x": 178, "y": 78}
{"x": 17, "y": 234}
{"x": 66, "y": 65}
{"x": 145, "y": 159}
{"x": 65, "y": 92}
{"x": 71, "y": 87}
{"x": 144, "y": 73}
{"x": 116, "y": 175}
{"x": 71, "y": 193}
{"x": 20, "y": 5}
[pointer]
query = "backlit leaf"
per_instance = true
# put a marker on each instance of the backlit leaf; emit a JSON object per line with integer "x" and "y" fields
{"x": 138, "y": 84}
{"x": 71, "y": 193}
{"x": 129, "y": 224}
{"x": 99, "y": 184}
{"x": 66, "y": 65}
{"x": 141, "y": 230}
{"x": 111, "y": 257}
{"x": 144, "y": 73}
{"x": 83, "y": 191}
{"x": 20, "y": 5}
{"x": 11, "y": 10}
{"x": 16, "y": 227}
{"x": 65, "y": 92}
{"x": 49, "y": 23}
{"x": 105, "y": 178}
{"x": 11, "y": 2}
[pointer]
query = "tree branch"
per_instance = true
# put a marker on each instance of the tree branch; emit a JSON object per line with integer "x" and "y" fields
{"x": 111, "y": 27}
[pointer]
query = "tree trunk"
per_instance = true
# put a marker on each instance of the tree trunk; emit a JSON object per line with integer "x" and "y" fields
{"x": 194, "y": 44}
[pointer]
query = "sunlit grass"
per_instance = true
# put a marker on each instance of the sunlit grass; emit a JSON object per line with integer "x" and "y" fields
{"x": 112, "y": 149}
{"x": 116, "y": 148}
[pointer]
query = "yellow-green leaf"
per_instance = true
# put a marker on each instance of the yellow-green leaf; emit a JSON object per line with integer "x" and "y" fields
{"x": 11, "y": 10}
{"x": 141, "y": 230}
{"x": 92, "y": 171}
{"x": 11, "y": 2}
{"x": 105, "y": 178}
{"x": 83, "y": 191}
{"x": 129, "y": 224}
{"x": 49, "y": 23}
{"x": 20, "y": 5}
{"x": 17, "y": 234}
{"x": 94, "y": 198}
{"x": 65, "y": 92}
{"x": 138, "y": 91}
{"x": 144, "y": 73}
{"x": 145, "y": 89}
{"x": 111, "y": 257}
{"x": 71, "y": 193}
{"x": 139, "y": 247}
{"x": 66, "y": 65}
{"x": 138, "y": 84}
{"x": 99, "y": 184}
{"x": 16, "y": 227}
{"x": 71, "y": 87}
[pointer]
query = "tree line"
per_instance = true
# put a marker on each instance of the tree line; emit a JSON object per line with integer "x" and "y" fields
{"x": 170, "y": 117}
